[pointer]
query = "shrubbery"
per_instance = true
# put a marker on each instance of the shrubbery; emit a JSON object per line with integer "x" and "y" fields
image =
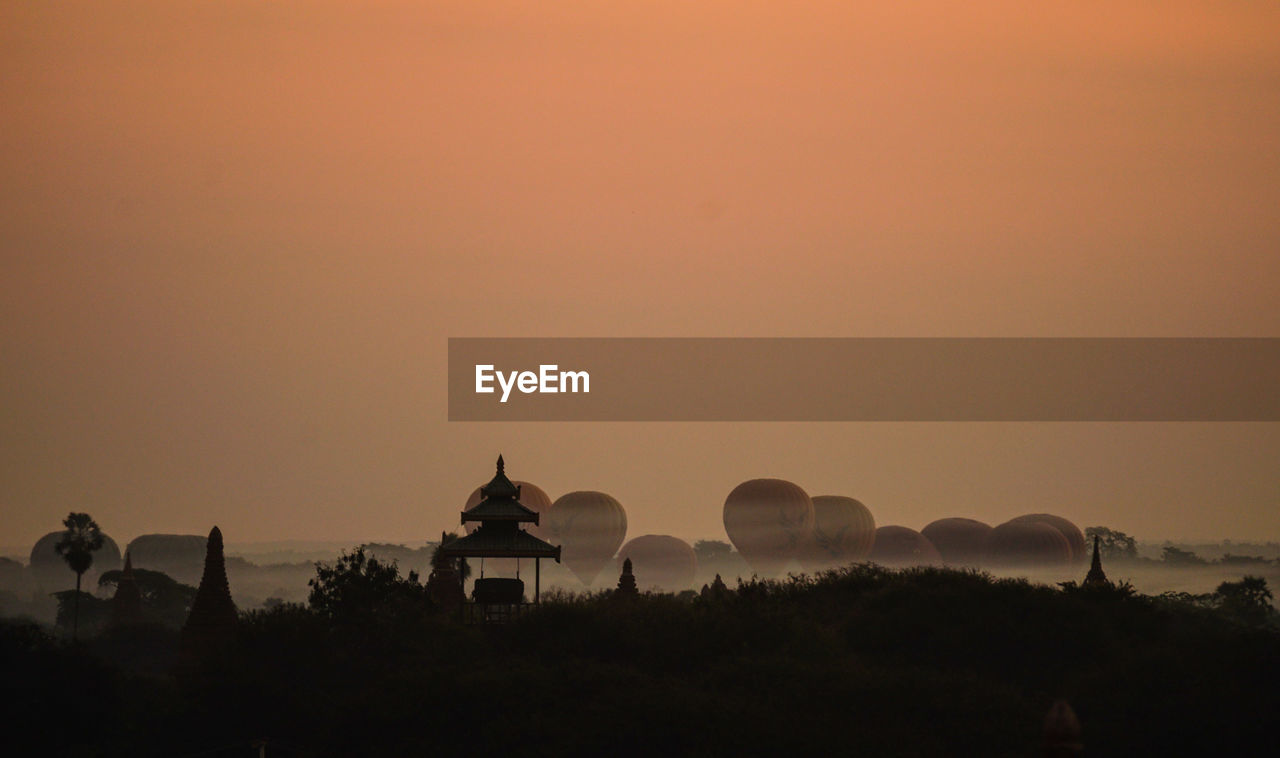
{"x": 865, "y": 660}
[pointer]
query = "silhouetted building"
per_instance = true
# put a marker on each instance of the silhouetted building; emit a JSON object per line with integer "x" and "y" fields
{"x": 1061, "y": 732}
{"x": 212, "y": 620}
{"x": 499, "y": 535}
{"x": 715, "y": 590}
{"x": 1096, "y": 577}
{"x": 126, "y": 604}
{"x": 626, "y": 582}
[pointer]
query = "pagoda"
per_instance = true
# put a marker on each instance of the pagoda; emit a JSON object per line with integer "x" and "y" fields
{"x": 626, "y": 582}
{"x": 126, "y": 604}
{"x": 212, "y": 620}
{"x": 500, "y": 535}
{"x": 1096, "y": 576}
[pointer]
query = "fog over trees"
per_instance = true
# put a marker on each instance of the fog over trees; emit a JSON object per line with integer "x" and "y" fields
{"x": 926, "y": 660}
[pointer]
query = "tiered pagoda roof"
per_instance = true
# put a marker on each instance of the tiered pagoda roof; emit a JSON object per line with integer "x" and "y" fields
{"x": 212, "y": 606}
{"x": 499, "y": 534}
{"x": 500, "y": 501}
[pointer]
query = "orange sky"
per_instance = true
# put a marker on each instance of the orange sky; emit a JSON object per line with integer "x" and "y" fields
{"x": 236, "y": 235}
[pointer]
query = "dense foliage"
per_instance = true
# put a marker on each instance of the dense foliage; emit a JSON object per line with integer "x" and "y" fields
{"x": 360, "y": 590}
{"x": 79, "y": 541}
{"x": 164, "y": 599}
{"x": 919, "y": 662}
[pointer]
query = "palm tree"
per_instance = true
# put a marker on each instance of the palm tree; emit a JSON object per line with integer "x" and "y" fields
{"x": 81, "y": 538}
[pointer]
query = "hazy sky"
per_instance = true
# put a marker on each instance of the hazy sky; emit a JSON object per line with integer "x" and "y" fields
{"x": 236, "y": 236}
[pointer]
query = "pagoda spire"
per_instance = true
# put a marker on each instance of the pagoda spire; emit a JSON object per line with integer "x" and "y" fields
{"x": 212, "y": 606}
{"x": 213, "y": 614}
{"x": 126, "y": 604}
{"x": 1096, "y": 576}
{"x": 500, "y": 487}
{"x": 626, "y": 582}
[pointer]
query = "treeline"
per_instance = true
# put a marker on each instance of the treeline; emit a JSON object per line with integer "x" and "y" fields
{"x": 1115, "y": 545}
{"x": 865, "y": 660}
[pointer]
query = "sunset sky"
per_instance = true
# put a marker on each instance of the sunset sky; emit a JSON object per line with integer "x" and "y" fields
{"x": 235, "y": 237}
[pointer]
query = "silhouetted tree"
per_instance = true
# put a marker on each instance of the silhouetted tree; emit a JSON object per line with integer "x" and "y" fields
{"x": 908, "y": 662}
{"x": 1178, "y": 557}
{"x": 444, "y": 585}
{"x": 81, "y": 538}
{"x": 359, "y": 589}
{"x": 1248, "y": 599}
{"x": 710, "y": 550}
{"x": 164, "y": 599}
{"x": 441, "y": 562}
{"x": 1116, "y": 545}
{"x": 1243, "y": 560}
{"x": 76, "y": 608}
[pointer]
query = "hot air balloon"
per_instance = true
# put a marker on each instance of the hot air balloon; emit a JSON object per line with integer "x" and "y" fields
{"x": 181, "y": 556}
{"x": 1027, "y": 543}
{"x": 843, "y": 532}
{"x": 660, "y": 560}
{"x": 48, "y": 569}
{"x": 960, "y": 541}
{"x": 768, "y": 520}
{"x": 589, "y": 527}
{"x": 900, "y": 546}
{"x": 1075, "y": 537}
{"x": 531, "y": 496}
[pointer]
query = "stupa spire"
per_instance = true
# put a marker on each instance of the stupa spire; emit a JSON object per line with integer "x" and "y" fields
{"x": 500, "y": 487}
{"x": 1096, "y": 577}
{"x": 626, "y": 582}
{"x": 213, "y": 614}
{"x": 126, "y": 604}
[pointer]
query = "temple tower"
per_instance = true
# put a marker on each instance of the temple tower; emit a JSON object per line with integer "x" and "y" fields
{"x": 212, "y": 620}
{"x": 626, "y": 582}
{"x": 500, "y": 535}
{"x": 1096, "y": 577}
{"x": 126, "y": 604}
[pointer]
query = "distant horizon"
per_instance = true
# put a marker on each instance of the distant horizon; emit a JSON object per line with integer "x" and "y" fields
{"x": 246, "y": 549}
